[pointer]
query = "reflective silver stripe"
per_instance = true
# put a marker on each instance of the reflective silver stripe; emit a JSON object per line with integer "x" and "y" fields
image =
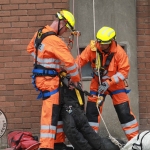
{"x": 129, "y": 123}
{"x": 116, "y": 78}
{"x": 47, "y": 135}
{"x": 41, "y": 47}
{"x": 60, "y": 130}
{"x": 56, "y": 66}
{"x": 74, "y": 74}
{"x": 105, "y": 77}
{"x": 72, "y": 67}
{"x": 95, "y": 124}
{"x": 59, "y": 123}
{"x": 46, "y": 60}
{"x": 131, "y": 130}
{"x": 120, "y": 75}
{"x": 48, "y": 127}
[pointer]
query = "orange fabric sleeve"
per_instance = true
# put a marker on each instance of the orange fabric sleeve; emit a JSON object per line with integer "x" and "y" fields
{"x": 84, "y": 57}
{"x": 30, "y": 47}
{"x": 60, "y": 50}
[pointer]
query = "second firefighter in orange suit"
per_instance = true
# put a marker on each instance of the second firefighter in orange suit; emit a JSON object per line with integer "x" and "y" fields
{"x": 112, "y": 61}
{"x": 47, "y": 59}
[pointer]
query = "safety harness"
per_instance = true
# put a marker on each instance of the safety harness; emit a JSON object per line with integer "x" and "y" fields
{"x": 103, "y": 72}
{"x": 78, "y": 90}
{"x": 99, "y": 60}
{"x": 39, "y": 70}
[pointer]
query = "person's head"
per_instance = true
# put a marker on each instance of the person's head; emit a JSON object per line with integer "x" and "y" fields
{"x": 105, "y": 36}
{"x": 65, "y": 21}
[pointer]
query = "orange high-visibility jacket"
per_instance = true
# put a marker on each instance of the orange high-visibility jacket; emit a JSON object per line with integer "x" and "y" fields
{"x": 118, "y": 68}
{"x": 51, "y": 52}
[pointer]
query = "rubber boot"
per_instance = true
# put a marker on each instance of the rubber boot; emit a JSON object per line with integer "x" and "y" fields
{"x": 61, "y": 146}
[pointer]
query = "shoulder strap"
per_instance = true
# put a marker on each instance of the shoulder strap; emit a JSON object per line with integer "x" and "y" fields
{"x": 39, "y": 38}
{"x": 108, "y": 60}
{"x": 107, "y": 63}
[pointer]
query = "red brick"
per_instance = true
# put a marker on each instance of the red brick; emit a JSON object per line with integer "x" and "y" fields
{"x": 14, "y": 87}
{"x": 142, "y": 3}
{"x": 8, "y": 104}
{"x": 21, "y": 92}
{"x": 10, "y": 19}
{"x": 44, "y": 6}
{"x": 60, "y": 5}
{"x": 35, "y": 1}
{"x": 27, "y": 18}
{"x": 45, "y": 17}
{"x": 19, "y": 24}
{"x": 36, "y": 12}
{"x": 9, "y": 7}
{"x": 18, "y": 12}
{"x": 5, "y": 13}
{"x": 2, "y": 87}
{"x": 53, "y": 0}
{"x": 21, "y": 81}
{"x": 5, "y": 25}
{"x": 18, "y": 1}
{"x": 26, "y": 6}
{"x": 16, "y": 120}
{"x": 4, "y": 2}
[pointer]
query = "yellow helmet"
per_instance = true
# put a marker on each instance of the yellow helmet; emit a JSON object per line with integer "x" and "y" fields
{"x": 105, "y": 35}
{"x": 68, "y": 16}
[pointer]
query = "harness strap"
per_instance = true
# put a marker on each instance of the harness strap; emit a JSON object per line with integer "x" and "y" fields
{"x": 47, "y": 94}
{"x": 119, "y": 91}
{"x": 111, "y": 93}
{"x": 96, "y": 93}
{"x": 44, "y": 72}
{"x": 39, "y": 38}
{"x": 108, "y": 60}
{"x": 107, "y": 63}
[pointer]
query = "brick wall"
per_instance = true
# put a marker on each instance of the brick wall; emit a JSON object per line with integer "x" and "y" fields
{"x": 19, "y": 19}
{"x": 143, "y": 51}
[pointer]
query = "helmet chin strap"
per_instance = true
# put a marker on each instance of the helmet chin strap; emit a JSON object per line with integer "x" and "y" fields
{"x": 59, "y": 29}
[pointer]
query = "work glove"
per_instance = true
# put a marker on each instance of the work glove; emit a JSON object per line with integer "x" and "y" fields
{"x": 103, "y": 87}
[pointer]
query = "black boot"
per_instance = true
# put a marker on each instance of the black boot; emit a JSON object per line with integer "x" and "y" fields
{"x": 61, "y": 146}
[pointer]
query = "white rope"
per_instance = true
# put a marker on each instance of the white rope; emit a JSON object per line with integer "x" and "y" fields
{"x": 77, "y": 33}
{"x": 73, "y": 7}
{"x": 110, "y": 137}
{"x": 78, "y": 53}
{"x": 94, "y": 17}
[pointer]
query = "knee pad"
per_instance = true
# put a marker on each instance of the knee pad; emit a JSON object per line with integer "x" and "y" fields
{"x": 124, "y": 112}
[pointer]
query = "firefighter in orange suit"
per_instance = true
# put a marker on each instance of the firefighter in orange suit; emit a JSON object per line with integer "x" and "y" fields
{"x": 110, "y": 66}
{"x": 48, "y": 51}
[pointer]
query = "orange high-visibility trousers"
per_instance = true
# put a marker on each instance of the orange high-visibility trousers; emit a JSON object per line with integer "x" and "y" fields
{"x": 51, "y": 126}
{"x": 121, "y": 104}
